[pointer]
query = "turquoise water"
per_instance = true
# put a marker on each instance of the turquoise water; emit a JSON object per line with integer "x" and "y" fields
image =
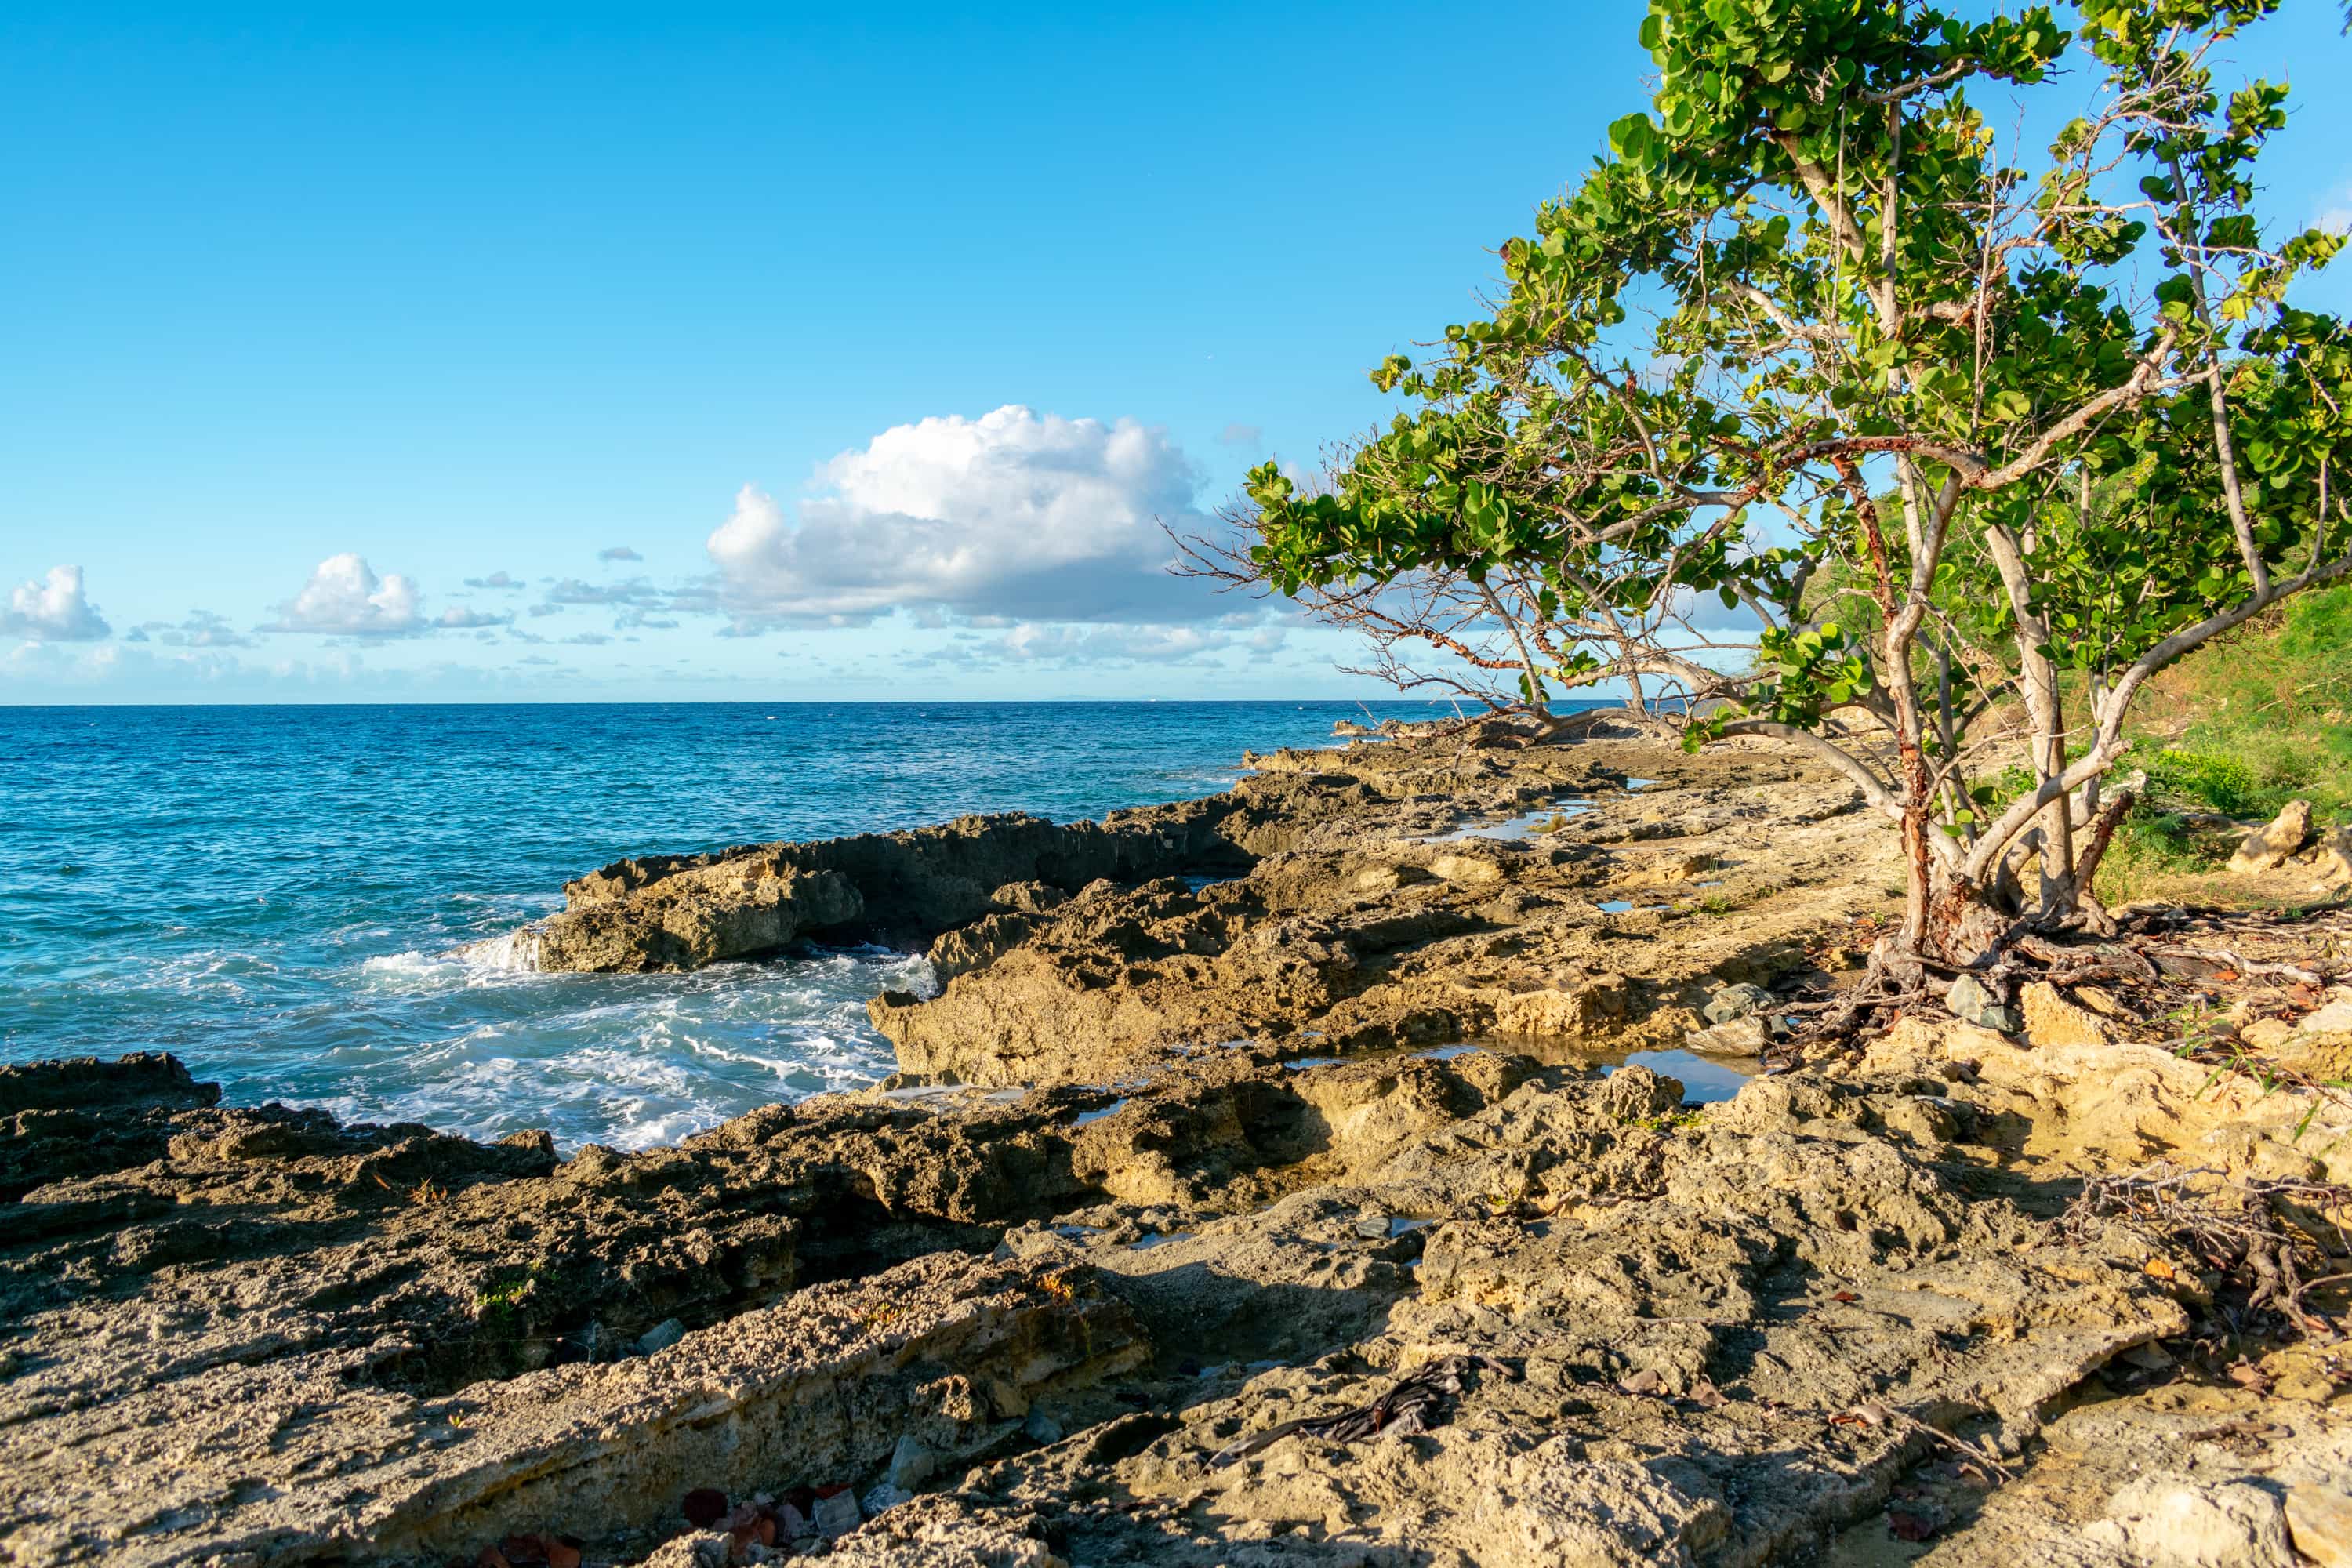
{"x": 273, "y": 893}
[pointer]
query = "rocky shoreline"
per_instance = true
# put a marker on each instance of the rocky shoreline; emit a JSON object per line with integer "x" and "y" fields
{"x": 1260, "y": 1187}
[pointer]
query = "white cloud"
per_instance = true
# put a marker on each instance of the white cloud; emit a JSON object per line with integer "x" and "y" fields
{"x": 202, "y": 629}
{"x": 465, "y": 619}
{"x": 1012, "y": 514}
{"x": 55, "y": 610}
{"x": 498, "y": 580}
{"x": 344, "y": 597}
{"x": 2336, "y": 210}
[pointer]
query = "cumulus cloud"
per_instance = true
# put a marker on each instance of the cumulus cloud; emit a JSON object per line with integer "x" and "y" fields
{"x": 344, "y": 597}
{"x": 618, "y": 552}
{"x": 56, "y": 609}
{"x": 1013, "y": 514}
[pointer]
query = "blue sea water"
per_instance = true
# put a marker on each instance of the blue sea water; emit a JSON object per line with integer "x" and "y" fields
{"x": 274, "y": 894}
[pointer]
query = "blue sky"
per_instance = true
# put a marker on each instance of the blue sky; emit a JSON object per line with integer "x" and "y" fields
{"x": 773, "y": 352}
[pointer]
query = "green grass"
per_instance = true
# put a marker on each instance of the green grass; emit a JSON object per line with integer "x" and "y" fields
{"x": 2258, "y": 719}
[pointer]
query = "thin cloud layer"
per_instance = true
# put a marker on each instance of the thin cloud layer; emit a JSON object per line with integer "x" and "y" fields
{"x": 1013, "y": 515}
{"x": 344, "y": 597}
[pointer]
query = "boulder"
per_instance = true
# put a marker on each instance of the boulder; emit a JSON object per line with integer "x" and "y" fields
{"x": 2270, "y": 847}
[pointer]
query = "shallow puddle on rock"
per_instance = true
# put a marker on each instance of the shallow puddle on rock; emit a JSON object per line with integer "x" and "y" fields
{"x": 1532, "y": 824}
{"x": 1705, "y": 1079}
{"x": 1146, "y": 1243}
{"x": 1303, "y": 1063}
{"x": 1083, "y": 1117}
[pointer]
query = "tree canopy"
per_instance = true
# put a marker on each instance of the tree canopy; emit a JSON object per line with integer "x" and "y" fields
{"x": 1965, "y": 427}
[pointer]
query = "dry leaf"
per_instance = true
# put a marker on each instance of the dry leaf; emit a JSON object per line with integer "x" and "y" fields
{"x": 1645, "y": 1380}
{"x": 1845, "y": 1296}
{"x": 2158, "y": 1269}
{"x": 2246, "y": 1374}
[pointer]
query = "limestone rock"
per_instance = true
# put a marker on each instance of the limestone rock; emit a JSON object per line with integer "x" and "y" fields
{"x": 2051, "y": 1021}
{"x": 1733, "y": 1037}
{"x": 2172, "y": 1521}
{"x": 2319, "y": 1518}
{"x": 2332, "y": 859}
{"x": 2269, "y": 847}
{"x": 1028, "y": 897}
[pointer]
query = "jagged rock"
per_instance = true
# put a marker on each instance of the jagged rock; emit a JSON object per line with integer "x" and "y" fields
{"x": 2051, "y": 1020}
{"x": 2270, "y": 847}
{"x": 1028, "y": 897}
{"x": 683, "y": 911}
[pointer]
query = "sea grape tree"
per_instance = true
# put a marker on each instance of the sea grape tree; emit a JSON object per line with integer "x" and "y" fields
{"x": 1973, "y": 437}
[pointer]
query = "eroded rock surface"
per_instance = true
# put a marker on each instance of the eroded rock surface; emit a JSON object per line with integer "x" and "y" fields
{"x": 1303, "y": 1127}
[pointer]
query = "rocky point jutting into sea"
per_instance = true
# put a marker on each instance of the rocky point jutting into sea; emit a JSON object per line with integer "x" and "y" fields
{"x": 1296, "y": 1175}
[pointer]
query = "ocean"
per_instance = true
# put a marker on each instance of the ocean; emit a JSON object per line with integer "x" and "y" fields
{"x": 274, "y": 894}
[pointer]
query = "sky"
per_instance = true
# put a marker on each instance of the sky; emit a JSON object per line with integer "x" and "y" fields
{"x": 498, "y": 353}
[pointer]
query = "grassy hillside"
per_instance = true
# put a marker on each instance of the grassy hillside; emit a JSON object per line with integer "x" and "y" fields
{"x": 2257, "y": 719}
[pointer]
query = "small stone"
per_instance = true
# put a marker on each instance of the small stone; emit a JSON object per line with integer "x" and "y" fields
{"x": 911, "y": 1465}
{"x": 1730, "y": 1002}
{"x": 835, "y": 1514}
{"x": 660, "y": 1337}
{"x": 1373, "y": 1227}
{"x": 1041, "y": 1428}
{"x": 1740, "y": 1037}
{"x": 2268, "y": 847}
{"x": 884, "y": 1496}
{"x": 2320, "y": 1521}
{"x": 1972, "y": 1002}
{"x": 2051, "y": 1021}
